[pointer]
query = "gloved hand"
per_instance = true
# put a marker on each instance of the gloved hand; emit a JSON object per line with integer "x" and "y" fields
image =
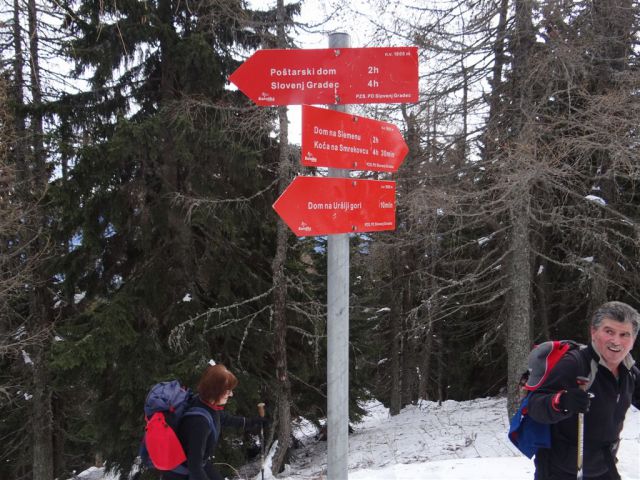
{"x": 253, "y": 424}
{"x": 575, "y": 400}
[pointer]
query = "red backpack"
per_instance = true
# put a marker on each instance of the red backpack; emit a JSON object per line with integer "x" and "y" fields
{"x": 166, "y": 404}
{"x": 524, "y": 432}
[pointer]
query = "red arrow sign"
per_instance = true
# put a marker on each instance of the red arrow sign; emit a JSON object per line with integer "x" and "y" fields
{"x": 333, "y": 76}
{"x": 325, "y": 205}
{"x": 339, "y": 140}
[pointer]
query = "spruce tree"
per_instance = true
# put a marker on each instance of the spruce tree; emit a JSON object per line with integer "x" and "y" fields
{"x": 168, "y": 189}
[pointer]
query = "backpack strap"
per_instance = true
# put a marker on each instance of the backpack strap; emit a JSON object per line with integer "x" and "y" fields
{"x": 202, "y": 412}
{"x": 592, "y": 373}
{"x": 592, "y": 368}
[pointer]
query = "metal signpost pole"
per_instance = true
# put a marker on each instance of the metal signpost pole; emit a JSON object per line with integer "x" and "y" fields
{"x": 338, "y": 330}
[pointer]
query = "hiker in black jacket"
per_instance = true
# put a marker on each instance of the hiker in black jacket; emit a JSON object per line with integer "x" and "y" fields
{"x": 614, "y": 328}
{"x": 214, "y": 390}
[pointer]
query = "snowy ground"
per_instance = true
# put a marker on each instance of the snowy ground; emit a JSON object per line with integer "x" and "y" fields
{"x": 457, "y": 440}
{"x": 454, "y": 441}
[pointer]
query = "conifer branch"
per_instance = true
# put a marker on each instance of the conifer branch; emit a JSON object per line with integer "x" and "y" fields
{"x": 177, "y": 335}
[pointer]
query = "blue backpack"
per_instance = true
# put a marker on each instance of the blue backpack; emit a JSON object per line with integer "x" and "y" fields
{"x": 166, "y": 404}
{"x": 525, "y": 433}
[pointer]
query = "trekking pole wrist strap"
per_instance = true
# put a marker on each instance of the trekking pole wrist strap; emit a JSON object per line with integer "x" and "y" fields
{"x": 555, "y": 401}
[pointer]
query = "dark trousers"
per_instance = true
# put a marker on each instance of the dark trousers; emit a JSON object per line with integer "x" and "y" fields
{"x": 212, "y": 474}
{"x": 546, "y": 471}
{"x": 567, "y": 476}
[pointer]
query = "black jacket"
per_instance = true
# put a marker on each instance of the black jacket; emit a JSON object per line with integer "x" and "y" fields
{"x": 603, "y": 422}
{"x": 198, "y": 443}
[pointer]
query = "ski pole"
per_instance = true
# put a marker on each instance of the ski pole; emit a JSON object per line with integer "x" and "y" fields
{"x": 261, "y": 413}
{"x": 582, "y": 384}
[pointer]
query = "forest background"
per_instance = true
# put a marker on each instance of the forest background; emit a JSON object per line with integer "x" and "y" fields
{"x": 138, "y": 239}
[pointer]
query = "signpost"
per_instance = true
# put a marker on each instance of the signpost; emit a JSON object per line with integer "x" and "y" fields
{"x": 330, "y": 76}
{"x": 337, "y": 205}
{"x": 327, "y": 205}
{"x": 340, "y": 140}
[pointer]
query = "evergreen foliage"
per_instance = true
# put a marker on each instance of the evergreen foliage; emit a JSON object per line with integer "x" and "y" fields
{"x": 150, "y": 250}
{"x": 157, "y": 269}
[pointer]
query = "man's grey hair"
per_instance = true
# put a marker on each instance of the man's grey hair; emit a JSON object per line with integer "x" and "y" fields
{"x": 618, "y": 311}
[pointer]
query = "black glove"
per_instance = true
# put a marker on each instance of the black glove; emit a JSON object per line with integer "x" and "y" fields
{"x": 254, "y": 424}
{"x": 575, "y": 400}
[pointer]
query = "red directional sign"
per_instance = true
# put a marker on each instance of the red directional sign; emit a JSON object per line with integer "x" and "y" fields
{"x": 340, "y": 140}
{"x": 330, "y": 76}
{"x": 325, "y": 205}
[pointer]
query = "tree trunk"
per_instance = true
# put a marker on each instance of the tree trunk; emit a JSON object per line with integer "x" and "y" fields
{"x": 408, "y": 366}
{"x": 42, "y": 413}
{"x": 518, "y": 319}
{"x": 280, "y": 325}
{"x": 542, "y": 312}
{"x": 496, "y": 82}
{"x": 280, "y": 349}
{"x": 42, "y": 419}
{"x": 440, "y": 365}
{"x": 40, "y": 175}
{"x": 425, "y": 365}
{"x": 280, "y": 286}
{"x": 410, "y": 348}
{"x": 432, "y": 307}
{"x": 18, "y": 94}
{"x": 519, "y": 269}
{"x": 395, "y": 382}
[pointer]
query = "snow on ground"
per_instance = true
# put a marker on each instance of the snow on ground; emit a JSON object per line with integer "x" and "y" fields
{"x": 455, "y": 440}
{"x": 452, "y": 441}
